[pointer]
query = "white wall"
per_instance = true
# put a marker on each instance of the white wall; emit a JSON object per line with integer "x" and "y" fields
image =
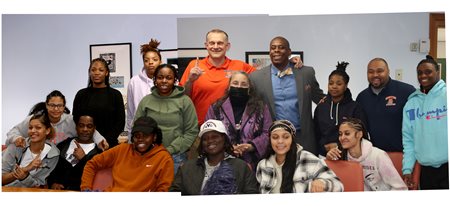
{"x": 46, "y": 52}
{"x": 325, "y": 39}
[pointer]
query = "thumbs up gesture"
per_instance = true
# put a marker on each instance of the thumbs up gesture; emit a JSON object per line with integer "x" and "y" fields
{"x": 78, "y": 152}
{"x": 35, "y": 164}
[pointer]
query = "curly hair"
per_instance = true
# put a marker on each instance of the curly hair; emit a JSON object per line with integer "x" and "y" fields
{"x": 152, "y": 46}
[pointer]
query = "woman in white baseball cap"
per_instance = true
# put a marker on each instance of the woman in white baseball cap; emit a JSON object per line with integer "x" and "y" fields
{"x": 216, "y": 171}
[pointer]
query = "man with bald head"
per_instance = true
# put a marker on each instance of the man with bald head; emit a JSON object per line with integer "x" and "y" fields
{"x": 383, "y": 103}
{"x": 289, "y": 92}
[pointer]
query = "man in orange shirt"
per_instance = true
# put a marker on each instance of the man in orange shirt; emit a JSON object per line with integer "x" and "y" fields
{"x": 206, "y": 80}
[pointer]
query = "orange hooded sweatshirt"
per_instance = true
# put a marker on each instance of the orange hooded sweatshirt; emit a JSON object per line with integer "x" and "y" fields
{"x": 132, "y": 171}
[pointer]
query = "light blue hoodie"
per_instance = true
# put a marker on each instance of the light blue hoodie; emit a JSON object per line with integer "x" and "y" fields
{"x": 425, "y": 128}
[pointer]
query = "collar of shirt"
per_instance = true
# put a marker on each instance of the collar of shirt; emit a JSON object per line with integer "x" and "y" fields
{"x": 275, "y": 70}
{"x": 224, "y": 66}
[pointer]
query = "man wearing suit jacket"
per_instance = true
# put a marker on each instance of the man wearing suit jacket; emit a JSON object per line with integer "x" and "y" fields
{"x": 289, "y": 92}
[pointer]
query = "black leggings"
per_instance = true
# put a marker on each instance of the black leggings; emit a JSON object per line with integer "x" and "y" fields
{"x": 434, "y": 178}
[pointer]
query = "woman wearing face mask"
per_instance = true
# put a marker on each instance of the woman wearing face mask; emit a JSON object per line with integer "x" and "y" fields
{"x": 246, "y": 118}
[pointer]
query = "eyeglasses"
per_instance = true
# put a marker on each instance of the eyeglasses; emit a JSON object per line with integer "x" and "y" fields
{"x": 56, "y": 106}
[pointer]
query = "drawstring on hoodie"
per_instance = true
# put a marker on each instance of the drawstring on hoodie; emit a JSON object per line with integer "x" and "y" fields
{"x": 337, "y": 111}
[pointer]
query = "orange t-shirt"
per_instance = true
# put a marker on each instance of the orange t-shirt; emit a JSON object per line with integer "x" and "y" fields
{"x": 213, "y": 82}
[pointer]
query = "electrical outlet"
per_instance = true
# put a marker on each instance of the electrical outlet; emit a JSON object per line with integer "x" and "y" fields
{"x": 399, "y": 74}
{"x": 414, "y": 46}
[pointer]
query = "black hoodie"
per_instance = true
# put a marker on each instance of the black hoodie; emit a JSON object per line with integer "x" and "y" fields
{"x": 326, "y": 122}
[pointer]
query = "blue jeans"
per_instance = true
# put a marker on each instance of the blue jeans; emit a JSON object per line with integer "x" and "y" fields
{"x": 178, "y": 159}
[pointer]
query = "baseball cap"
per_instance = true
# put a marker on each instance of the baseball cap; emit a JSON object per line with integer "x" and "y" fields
{"x": 146, "y": 125}
{"x": 212, "y": 125}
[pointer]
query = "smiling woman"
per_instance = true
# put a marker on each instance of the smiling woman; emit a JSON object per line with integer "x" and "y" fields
{"x": 62, "y": 122}
{"x": 30, "y": 166}
{"x": 215, "y": 171}
{"x": 106, "y": 103}
{"x": 286, "y": 161}
{"x": 174, "y": 111}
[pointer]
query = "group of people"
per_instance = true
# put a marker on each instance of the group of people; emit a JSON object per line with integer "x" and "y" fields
{"x": 255, "y": 128}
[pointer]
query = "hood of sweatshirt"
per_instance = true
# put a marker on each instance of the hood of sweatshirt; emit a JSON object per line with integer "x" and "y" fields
{"x": 143, "y": 76}
{"x": 155, "y": 150}
{"x": 435, "y": 91}
{"x": 177, "y": 92}
{"x": 65, "y": 119}
{"x": 366, "y": 149}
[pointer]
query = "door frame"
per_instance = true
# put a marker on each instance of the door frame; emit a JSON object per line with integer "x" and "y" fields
{"x": 437, "y": 20}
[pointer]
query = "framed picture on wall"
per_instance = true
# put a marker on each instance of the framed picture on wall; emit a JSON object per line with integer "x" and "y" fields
{"x": 118, "y": 57}
{"x": 260, "y": 59}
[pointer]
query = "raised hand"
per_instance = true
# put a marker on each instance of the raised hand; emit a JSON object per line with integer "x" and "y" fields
{"x": 103, "y": 145}
{"x": 20, "y": 142}
{"x": 78, "y": 152}
{"x": 297, "y": 61}
{"x": 35, "y": 164}
{"x": 195, "y": 71}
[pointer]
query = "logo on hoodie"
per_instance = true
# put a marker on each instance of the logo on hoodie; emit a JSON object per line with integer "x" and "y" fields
{"x": 436, "y": 113}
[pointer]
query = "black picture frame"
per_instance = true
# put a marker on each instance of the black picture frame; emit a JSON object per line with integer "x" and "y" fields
{"x": 118, "y": 56}
{"x": 260, "y": 59}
